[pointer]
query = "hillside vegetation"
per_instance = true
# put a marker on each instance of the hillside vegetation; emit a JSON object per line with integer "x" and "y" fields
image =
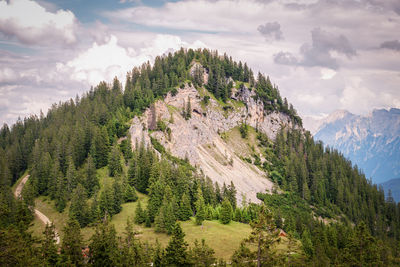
{"x": 87, "y": 178}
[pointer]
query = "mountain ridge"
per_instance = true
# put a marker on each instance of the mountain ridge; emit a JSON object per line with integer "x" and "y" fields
{"x": 372, "y": 141}
{"x": 200, "y": 139}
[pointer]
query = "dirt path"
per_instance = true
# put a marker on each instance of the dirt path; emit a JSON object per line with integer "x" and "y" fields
{"x": 18, "y": 190}
{"x": 40, "y": 215}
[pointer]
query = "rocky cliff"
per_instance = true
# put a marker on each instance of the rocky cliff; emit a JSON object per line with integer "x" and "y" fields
{"x": 200, "y": 137}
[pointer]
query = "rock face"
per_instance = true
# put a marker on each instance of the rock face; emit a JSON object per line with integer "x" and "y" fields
{"x": 198, "y": 138}
{"x": 372, "y": 142}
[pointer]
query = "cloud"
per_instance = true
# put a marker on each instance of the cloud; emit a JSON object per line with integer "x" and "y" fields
{"x": 391, "y": 5}
{"x": 392, "y": 45}
{"x": 192, "y": 15}
{"x": 319, "y": 52}
{"x": 323, "y": 43}
{"x": 105, "y": 61}
{"x": 30, "y": 23}
{"x": 285, "y": 58}
{"x": 271, "y": 30}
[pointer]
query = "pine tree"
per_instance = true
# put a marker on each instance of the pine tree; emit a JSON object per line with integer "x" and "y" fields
{"x": 185, "y": 209}
{"x": 104, "y": 245}
{"x": 176, "y": 252}
{"x": 118, "y": 196}
{"x": 237, "y": 217}
{"x": 264, "y": 235}
{"x": 49, "y": 247}
{"x": 362, "y": 248}
{"x": 140, "y": 214}
{"x": 106, "y": 201}
{"x": 61, "y": 195}
{"x": 100, "y": 147}
{"x": 200, "y": 208}
{"x": 159, "y": 256}
{"x": 71, "y": 247}
{"x": 165, "y": 220}
{"x": 226, "y": 212}
{"x": 232, "y": 195}
{"x": 71, "y": 176}
{"x": 243, "y": 256}
{"x": 114, "y": 162}
{"x": 132, "y": 251}
{"x": 156, "y": 194}
{"x": 218, "y": 194}
{"x": 91, "y": 181}
{"x": 79, "y": 209}
{"x": 188, "y": 113}
{"x": 130, "y": 194}
{"x": 201, "y": 254}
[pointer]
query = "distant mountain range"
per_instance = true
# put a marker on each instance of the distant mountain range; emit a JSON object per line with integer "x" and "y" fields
{"x": 372, "y": 142}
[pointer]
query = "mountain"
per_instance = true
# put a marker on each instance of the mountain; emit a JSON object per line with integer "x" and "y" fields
{"x": 394, "y": 186}
{"x": 193, "y": 145}
{"x": 372, "y": 142}
{"x": 210, "y": 139}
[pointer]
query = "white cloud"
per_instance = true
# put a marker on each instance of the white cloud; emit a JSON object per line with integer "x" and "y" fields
{"x": 30, "y": 23}
{"x": 7, "y": 75}
{"x": 327, "y": 74}
{"x": 105, "y": 61}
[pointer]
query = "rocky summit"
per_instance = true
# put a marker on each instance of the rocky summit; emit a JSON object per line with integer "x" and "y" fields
{"x": 200, "y": 139}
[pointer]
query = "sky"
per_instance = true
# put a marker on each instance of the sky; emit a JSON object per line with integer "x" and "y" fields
{"x": 323, "y": 55}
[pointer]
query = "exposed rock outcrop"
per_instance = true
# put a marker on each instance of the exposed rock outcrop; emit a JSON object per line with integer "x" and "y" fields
{"x": 198, "y": 138}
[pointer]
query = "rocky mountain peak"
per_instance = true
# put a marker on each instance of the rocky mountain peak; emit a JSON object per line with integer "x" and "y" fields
{"x": 199, "y": 137}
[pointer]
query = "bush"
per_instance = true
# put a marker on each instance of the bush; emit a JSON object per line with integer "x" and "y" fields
{"x": 206, "y": 99}
{"x": 174, "y": 92}
{"x": 244, "y": 130}
{"x": 157, "y": 145}
{"x": 161, "y": 126}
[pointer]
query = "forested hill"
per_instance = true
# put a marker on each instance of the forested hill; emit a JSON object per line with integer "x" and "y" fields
{"x": 319, "y": 198}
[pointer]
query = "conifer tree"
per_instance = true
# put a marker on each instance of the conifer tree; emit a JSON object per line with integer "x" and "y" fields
{"x": 100, "y": 147}
{"x": 118, "y": 195}
{"x": 132, "y": 251}
{"x": 201, "y": 254}
{"x": 156, "y": 194}
{"x": 362, "y": 249}
{"x": 140, "y": 214}
{"x": 176, "y": 253}
{"x": 61, "y": 195}
{"x": 185, "y": 209}
{"x": 130, "y": 194}
{"x": 92, "y": 181}
{"x": 71, "y": 176}
{"x": 218, "y": 194}
{"x": 79, "y": 209}
{"x": 165, "y": 220}
{"x": 114, "y": 162}
{"x": 159, "y": 256}
{"x": 200, "y": 208}
{"x": 106, "y": 201}
{"x": 264, "y": 235}
{"x": 226, "y": 212}
{"x": 49, "y": 247}
{"x": 188, "y": 113}
{"x": 71, "y": 247}
{"x": 104, "y": 245}
{"x": 243, "y": 256}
